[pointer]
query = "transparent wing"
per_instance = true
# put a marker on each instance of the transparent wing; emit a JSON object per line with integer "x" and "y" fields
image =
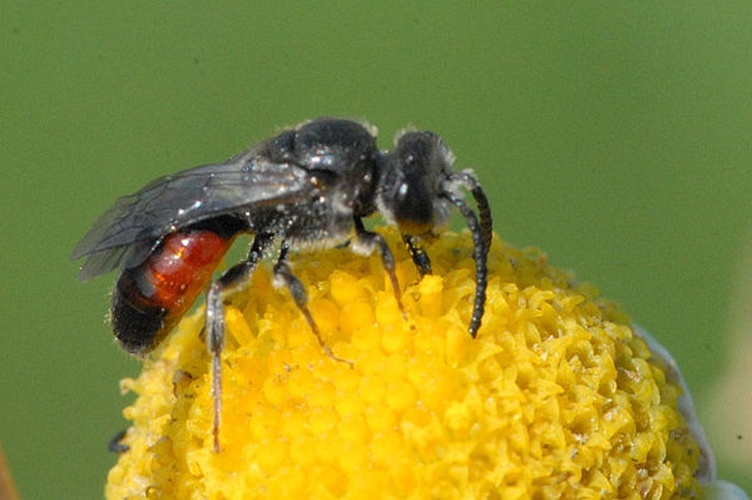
{"x": 125, "y": 233}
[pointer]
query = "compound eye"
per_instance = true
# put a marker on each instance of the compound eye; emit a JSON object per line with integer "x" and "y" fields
{"x": 413, "y": 207}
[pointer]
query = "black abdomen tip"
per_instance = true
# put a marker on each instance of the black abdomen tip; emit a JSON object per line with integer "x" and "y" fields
{"x": 137, "y": 325}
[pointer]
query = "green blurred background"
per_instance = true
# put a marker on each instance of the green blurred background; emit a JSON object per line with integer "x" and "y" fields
{"x": 614, "y": 136}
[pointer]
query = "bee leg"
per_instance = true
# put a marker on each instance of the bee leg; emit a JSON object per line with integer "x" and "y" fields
{"x": 365, "y": 242}
{"x": 116, "y": 444}
{"x": 283, "y": 273}
{"x": 232, "y": 279}
{"x": 418, "y": 254}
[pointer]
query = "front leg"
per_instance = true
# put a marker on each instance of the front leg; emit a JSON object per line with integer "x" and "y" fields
{"x": 418, "y": 254}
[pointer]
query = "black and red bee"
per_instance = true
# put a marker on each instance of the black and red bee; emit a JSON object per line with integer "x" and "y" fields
{"x": 309, "y": 186}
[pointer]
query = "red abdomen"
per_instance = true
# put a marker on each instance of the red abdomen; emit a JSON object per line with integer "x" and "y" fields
{"x": 150, "y": 299}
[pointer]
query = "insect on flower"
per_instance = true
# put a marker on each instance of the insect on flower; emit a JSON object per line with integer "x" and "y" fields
{"x": 310, "y": 186}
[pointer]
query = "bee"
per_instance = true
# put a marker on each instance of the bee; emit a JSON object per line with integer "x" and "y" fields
{"x": 309, "y": 187}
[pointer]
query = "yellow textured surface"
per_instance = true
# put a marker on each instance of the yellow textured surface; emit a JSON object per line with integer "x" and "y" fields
{"x": 555, "y": 398}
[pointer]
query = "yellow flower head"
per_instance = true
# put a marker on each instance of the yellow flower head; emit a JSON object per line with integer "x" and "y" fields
{"x": 557, "y": 397}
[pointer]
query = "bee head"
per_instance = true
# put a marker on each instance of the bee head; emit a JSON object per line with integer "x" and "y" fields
{"x": 410, "y": 194}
